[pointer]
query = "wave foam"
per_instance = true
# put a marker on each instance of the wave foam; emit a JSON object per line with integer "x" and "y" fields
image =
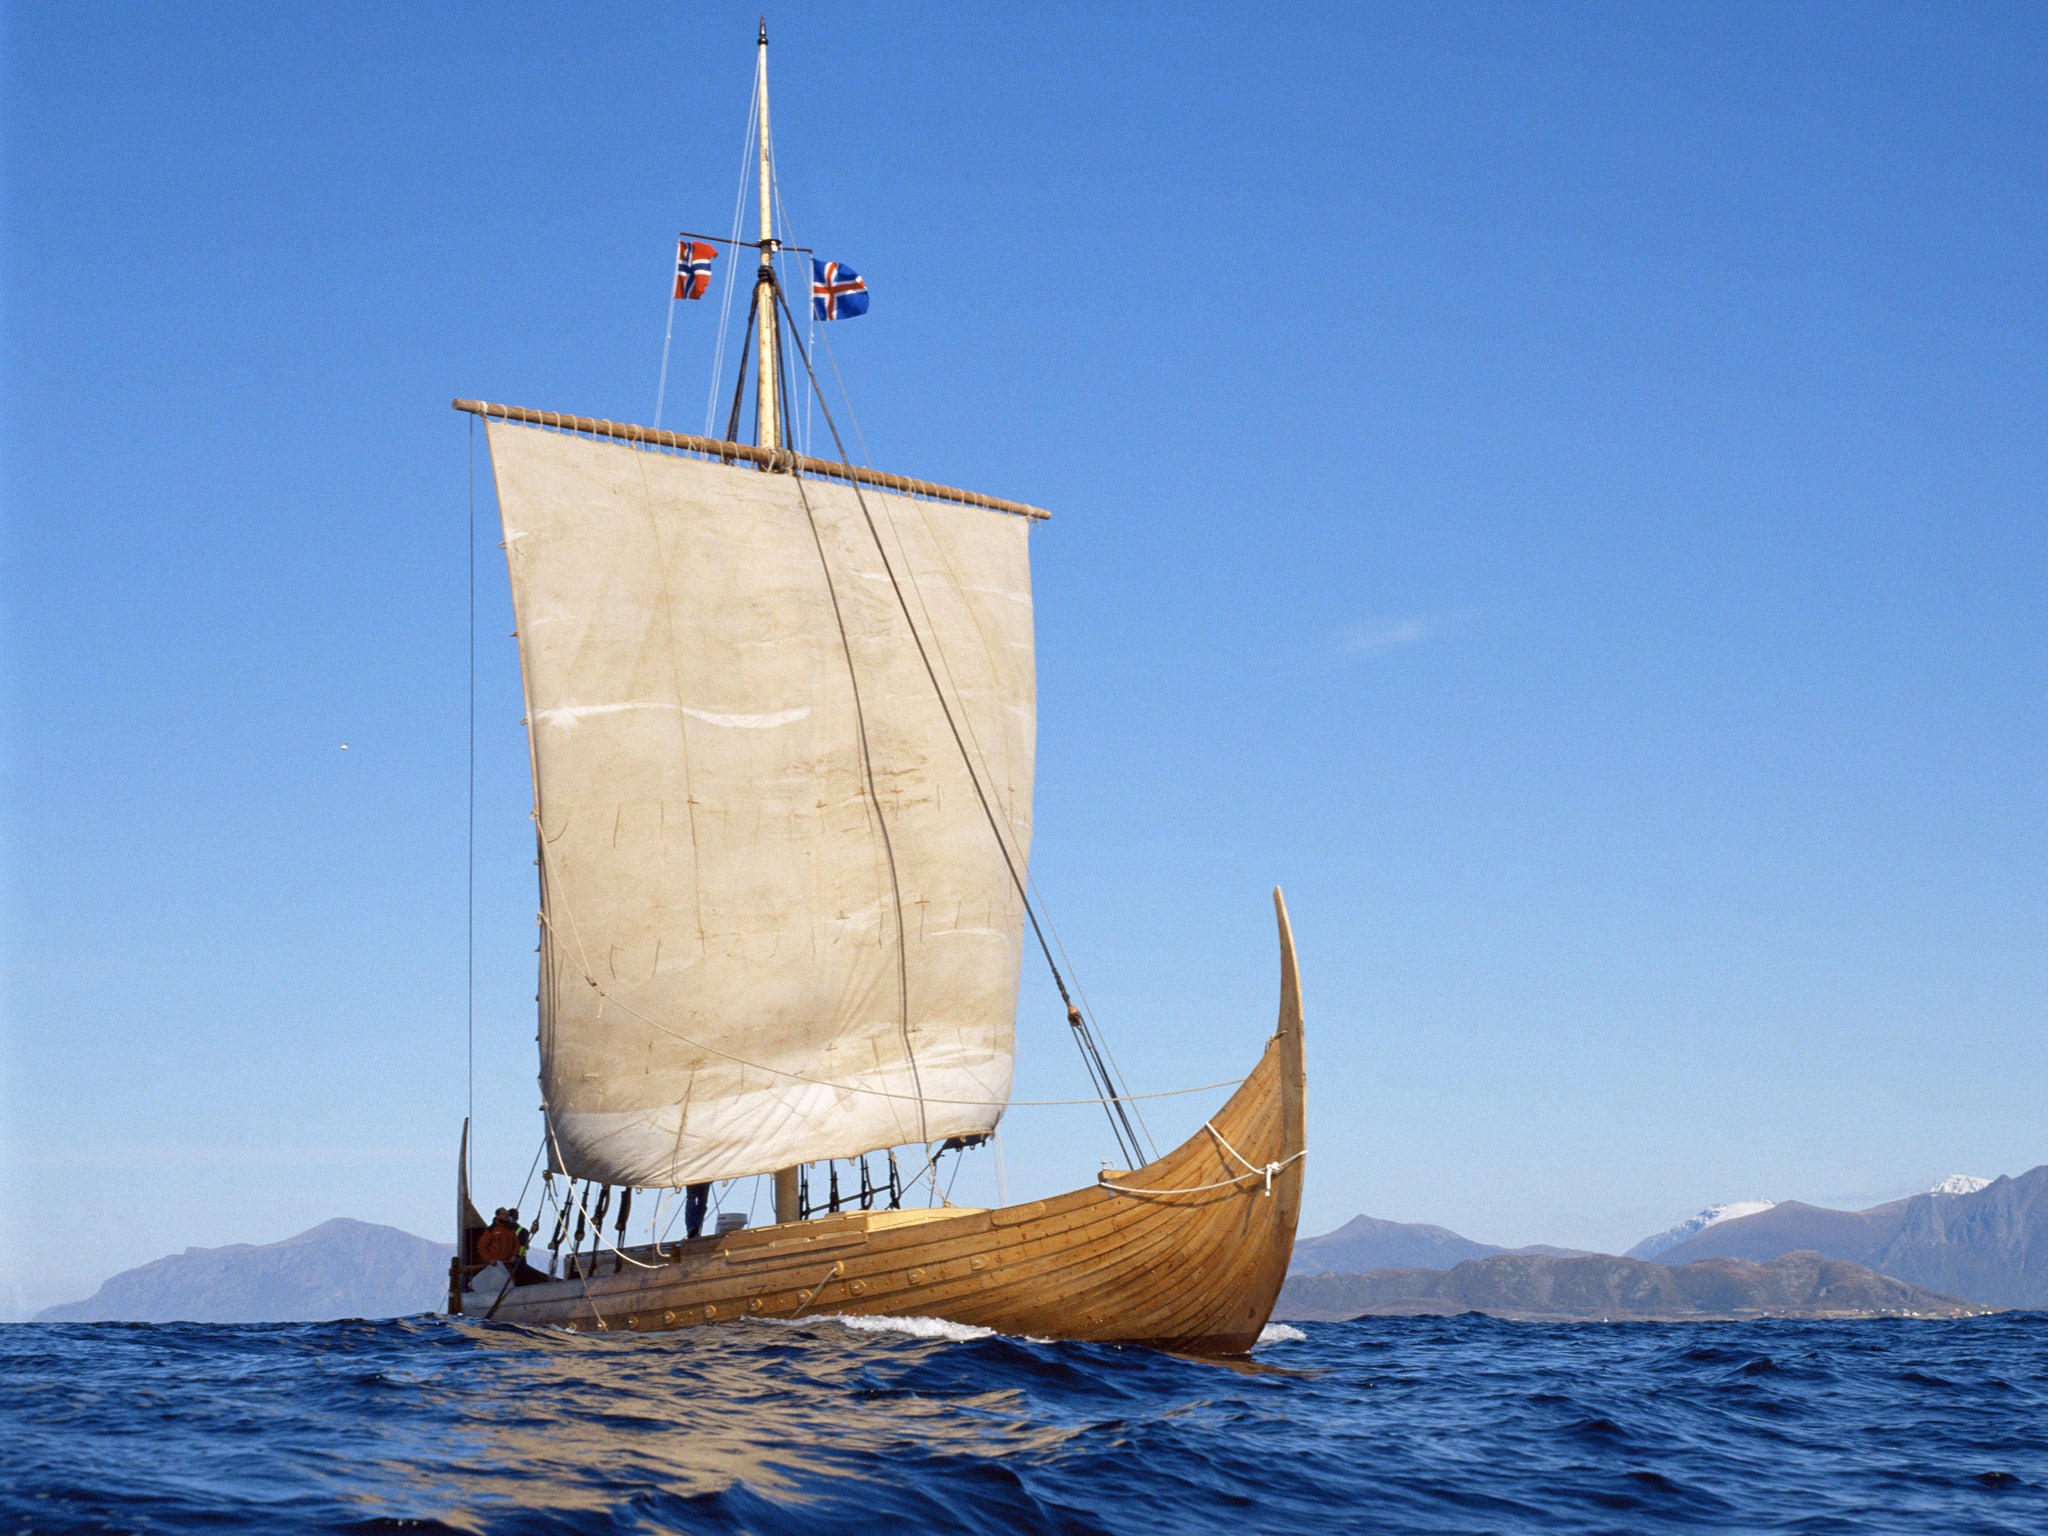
{"x": 1280, "y": 1333}
{"x": 916, "y": 1327}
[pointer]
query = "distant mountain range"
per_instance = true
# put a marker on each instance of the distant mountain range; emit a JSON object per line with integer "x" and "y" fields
{"x": 1366, "y": 1242}
{"x": 1989, "y": 1245}
{"x": 1734, "y": 1210}
{"x": 1983, "y": 1241}
{"x": 1596, "y": 1287}
{"x": 340, "y": 1268}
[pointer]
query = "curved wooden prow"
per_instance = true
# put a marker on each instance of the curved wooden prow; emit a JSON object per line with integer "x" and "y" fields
{"x": 1293, "y": 1063}
{"x": 467, "y": 1224}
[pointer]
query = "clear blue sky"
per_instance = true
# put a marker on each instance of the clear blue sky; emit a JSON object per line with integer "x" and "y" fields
{"x": 1559, "y": 489}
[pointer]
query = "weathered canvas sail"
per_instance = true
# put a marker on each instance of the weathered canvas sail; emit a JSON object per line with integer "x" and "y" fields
{"x": 777, "y": 924}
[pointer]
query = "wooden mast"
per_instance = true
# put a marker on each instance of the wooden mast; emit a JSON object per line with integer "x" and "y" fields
{"x": 768, "y": 419}
{"x": 768, "y": 430}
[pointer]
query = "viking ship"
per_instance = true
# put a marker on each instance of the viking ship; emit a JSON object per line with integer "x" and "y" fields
{"x": 781, "y": 711}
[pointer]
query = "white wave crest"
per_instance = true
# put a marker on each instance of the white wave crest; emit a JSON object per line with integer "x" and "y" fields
{"x": 916, "y": 1327}
{"x": 1280, "y": 1333}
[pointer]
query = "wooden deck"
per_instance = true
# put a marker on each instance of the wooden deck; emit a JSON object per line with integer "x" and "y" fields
{"x": 1186, "y": 1253}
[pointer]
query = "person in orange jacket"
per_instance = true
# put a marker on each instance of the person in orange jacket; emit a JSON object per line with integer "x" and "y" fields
{"x": 499, "y": 1242}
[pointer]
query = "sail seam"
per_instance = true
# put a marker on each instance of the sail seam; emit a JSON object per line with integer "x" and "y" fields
{"x": 1030, "y": 880}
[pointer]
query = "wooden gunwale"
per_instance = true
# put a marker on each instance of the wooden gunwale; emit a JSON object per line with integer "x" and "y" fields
{"x": 1195, "y": 1272}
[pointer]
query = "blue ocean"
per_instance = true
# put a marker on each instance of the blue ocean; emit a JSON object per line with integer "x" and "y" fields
{"x": 1416, "y": 1424}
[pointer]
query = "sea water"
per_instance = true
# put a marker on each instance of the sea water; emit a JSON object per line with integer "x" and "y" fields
{"x": 1415, "y": 1424}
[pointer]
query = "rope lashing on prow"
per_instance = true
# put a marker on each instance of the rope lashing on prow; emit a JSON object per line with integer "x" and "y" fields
{"x": 1252, "y": 1170}
{"x": 1264, "y": 1172}
{"x": 1120, "y": 1125}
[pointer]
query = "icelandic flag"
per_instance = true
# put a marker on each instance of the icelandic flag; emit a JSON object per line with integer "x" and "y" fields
{"x": 837, "y": 292}
{"x": 693, "y": 268}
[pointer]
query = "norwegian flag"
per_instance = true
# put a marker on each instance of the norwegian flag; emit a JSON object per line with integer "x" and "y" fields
{"x": 837, "y": 292}
{"x": 693, "y": 268}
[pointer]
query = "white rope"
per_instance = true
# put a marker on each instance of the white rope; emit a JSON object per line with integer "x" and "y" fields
{"x": 1232, "y": 1182}
{"x": 654, "y": 1233}
{"x": 667, "y": 336}
{"x": 810, "y": 304}
{"x": 739, "y": 205}
{"x": 597, "y": 1232}
{"x": 1243, "y": 1161}
{"x": 532, "y": 1168}
{"x": 811, "y": 395}
{"x": 867, "y": 457}
{"x": 596, "y": 1228}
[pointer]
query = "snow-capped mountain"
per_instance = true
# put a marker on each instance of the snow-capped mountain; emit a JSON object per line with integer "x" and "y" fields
{"x": 1959, "y": 1184}
{"x": 1692, "y": 1226}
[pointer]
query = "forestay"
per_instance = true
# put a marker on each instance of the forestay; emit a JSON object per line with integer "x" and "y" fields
{"x": 743, "y": 965}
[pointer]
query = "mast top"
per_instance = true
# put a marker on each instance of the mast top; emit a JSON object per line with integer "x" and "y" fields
{"x": 764, "y": 31}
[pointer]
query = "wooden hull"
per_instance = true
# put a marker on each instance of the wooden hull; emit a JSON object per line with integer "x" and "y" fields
{"x": 1186, "y": 1253}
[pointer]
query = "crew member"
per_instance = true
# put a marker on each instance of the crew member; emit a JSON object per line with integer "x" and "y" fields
{"x": 499, "y": 1242}
{"x": 695, "y": 1200}
{"x": 523, "y": 1273}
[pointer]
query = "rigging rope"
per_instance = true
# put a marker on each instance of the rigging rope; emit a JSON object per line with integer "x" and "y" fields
{"x": 867, "y": 761}
{"x": 667, "y": 336}
{"x": 881, "y": 818}
{"x": 732, "y": 422}
{"x": 1120, "y": 1121}
{"x": 583, "y": 1211}
{"x": 1120, "y": 1086}
{"x": 739, "y": 205}
{"x": 470, "y": 915}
